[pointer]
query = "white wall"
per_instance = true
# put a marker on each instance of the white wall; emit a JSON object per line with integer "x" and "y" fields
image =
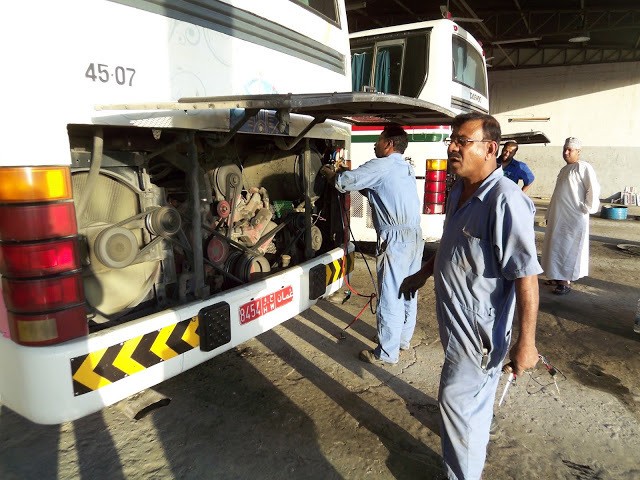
{"x": 599, "y": 104}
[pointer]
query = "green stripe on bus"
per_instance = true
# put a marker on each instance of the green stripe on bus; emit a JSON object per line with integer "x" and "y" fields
{"x": 413, "y": 137}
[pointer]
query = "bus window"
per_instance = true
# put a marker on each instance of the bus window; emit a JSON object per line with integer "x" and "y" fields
{"x": 468, "y": 67}
{"x": 415, "y": 66}
{"x": 326, "y": 8}
{"x": 361, "y": 61}
{"x": 388, "y": 69}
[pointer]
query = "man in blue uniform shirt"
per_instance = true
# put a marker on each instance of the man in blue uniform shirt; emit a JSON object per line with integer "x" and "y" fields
{"x": 515, "y": 169}
{"x": 389, "y": 183}
{"x": 485, "y": 266}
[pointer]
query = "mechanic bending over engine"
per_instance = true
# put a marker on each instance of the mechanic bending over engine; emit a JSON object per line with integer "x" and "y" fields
{"x": 389, "y": 183}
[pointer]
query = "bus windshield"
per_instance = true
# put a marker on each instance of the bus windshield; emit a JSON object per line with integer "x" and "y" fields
{"x": 468, "y": 66}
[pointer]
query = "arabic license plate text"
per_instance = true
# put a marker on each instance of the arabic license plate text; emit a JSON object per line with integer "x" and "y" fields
{"x": 263, "y": 305}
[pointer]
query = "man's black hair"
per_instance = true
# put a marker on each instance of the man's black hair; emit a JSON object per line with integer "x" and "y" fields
{"x": 490, "y": 126}
{"x": 398, "y": 136}
{"x": 511, "y": 142}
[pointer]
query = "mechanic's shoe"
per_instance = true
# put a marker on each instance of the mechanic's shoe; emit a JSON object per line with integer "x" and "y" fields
{"x": 402, "y": 347}
{"x": 369, "y": 357}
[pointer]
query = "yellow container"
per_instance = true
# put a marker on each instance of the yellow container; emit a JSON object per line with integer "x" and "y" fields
{"x": 437, "y": 164}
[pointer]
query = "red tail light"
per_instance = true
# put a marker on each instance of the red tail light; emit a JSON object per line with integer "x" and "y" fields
{"x": 48, "y": 328}
{"x": 436, "y": 176}
{"x": 37, "y": 259}
{"x": 42, "y": 295}
{"x": 39, "y": 256}
{"x": 438, "y": 197}
{"x": 35, "y": 222}
{"x": 435, "y": 187}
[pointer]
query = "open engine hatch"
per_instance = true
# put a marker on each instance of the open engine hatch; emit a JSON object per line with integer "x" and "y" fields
{"x": 356, "y": 108}
{"x": 526, "y": 138}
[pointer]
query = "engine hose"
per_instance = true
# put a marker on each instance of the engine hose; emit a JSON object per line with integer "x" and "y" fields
{"x": 94, "y": 170}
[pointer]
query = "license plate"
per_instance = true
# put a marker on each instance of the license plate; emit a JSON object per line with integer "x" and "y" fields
{"x": 263, "y": 305}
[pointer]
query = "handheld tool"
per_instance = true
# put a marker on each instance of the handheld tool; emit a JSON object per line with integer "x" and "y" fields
{"x": 553, "y": 371}
{"x": 510, "y": 379}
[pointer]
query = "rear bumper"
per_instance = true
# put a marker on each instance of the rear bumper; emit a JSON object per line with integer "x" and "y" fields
{"x": 54, "y": 384}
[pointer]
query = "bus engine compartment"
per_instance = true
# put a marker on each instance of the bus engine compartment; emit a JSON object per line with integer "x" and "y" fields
{"x": 167, "y": 216}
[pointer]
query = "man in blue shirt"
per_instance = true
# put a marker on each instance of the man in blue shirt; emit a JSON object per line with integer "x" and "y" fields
{"x": 485, "y": 266}
{"x": 515, "y": 169}
{"x": 389, "y": 183}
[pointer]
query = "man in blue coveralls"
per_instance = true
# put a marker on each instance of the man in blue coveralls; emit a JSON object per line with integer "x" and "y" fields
{"x": 515, "y": 169}
{"x": 486, "y": 264}
{"x": 389, "y": 183}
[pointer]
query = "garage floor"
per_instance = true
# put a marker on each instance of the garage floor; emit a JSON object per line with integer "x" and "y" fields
{"x": 296, "y": 402}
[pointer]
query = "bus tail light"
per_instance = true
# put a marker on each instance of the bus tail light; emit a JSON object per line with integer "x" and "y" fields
{"x": 42, "y": 294}
{"x": 35, "y": 222}
{"x": 23, "y": 260}
{"x": 48, "y": 328}
{"x": 435, "y": 187}
{"x": 40, "y": 256}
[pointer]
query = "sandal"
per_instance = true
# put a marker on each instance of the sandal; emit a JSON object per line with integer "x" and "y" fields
{"x": 551, "y": 282}
{"x": 562, "y": 289}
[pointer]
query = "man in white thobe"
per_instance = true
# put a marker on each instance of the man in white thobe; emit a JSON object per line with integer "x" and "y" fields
{"x": 565, "y": 251}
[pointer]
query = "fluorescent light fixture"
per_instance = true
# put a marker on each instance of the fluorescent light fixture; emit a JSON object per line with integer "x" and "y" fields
{"x": 467, "y": 20}
{"x": 529, "y": 119}
{"x": 585, "y": 37}
{"x": 516, "y": 40}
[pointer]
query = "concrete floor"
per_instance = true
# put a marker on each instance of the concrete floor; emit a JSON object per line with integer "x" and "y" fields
{"x": 297, "y": 403}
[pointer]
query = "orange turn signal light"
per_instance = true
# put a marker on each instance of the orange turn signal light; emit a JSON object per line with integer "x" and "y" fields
{"x": 35, "y": 184}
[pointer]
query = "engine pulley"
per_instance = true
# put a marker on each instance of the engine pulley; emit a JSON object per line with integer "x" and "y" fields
{"x": 247, "y": 267}
{"x": 116, "y": 247}
{"x": 164, "y": 221}
{"x": 223, "y": 209}
{"x": 217, "y": 249}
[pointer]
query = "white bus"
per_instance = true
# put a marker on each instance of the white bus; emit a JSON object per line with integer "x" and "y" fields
{"x": 435, "y": 61}
{"x": 158, "y": 202}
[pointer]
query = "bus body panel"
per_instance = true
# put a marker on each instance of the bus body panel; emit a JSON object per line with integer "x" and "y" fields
{"x": 40, "y": 384}
{"x": 59, "y": 71}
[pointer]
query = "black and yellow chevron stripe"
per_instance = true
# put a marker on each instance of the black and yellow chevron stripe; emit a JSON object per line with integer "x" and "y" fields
{"x": 339, "y": 268}
{"x": 100, "y": 368}
{"x": 103, "y": 367}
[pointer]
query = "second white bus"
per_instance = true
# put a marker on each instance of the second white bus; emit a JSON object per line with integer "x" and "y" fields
{"x": 435, "y": 61}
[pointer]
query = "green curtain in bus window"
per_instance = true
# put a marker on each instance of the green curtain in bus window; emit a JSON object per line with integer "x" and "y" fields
{"x": 357, "y": 71}
{"x": 360, "y": 70}
{"x": 383, "y": 71}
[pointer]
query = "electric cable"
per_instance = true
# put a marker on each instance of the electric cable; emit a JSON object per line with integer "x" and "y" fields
{"x": 347, "y": 230}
